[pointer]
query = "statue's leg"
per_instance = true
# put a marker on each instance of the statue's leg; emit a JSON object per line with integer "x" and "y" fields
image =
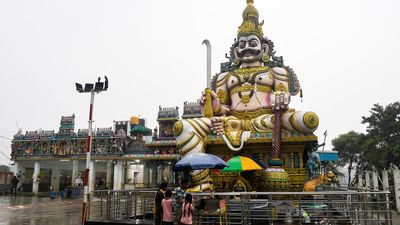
{"x": 303, "y": 122}
{"x": 263, "y": 123}
{"x": 190, "y": 134}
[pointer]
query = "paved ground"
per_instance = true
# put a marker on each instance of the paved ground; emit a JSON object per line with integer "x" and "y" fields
{"x": 42, "y": 211}
{"x": 395, "y": 218}
{"x": 39, "y": 211}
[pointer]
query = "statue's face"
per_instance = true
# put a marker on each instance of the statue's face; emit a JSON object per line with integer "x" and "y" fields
{"x": 249, "y": 49}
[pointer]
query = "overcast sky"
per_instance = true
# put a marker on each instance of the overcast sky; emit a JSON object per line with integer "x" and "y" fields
{"x": 344, "y": 52}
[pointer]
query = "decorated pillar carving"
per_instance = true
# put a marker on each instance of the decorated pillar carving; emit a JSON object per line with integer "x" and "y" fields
{"x": 55, "y": 177}
{"x": 301, "y": 159}
{"x": 109, "y": 174}
{"x": 291, "y": 160}
{"x": 375, "y": 184}
{"x": 36, "y": 178}
{"x": 75, "y": 170}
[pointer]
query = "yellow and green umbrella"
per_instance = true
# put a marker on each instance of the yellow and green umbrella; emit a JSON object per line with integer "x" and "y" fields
{"x": 241, "y": 163}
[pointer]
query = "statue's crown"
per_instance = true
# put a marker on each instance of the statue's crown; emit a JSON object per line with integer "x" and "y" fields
{"x": 250, "y": 24}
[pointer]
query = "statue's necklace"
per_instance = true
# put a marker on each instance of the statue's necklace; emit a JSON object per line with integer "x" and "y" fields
{"x": 245, "y": 98}
{"x": 246, "y": 77}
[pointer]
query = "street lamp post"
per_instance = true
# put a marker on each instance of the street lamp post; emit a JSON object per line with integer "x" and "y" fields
{"x": 92, "y": 89}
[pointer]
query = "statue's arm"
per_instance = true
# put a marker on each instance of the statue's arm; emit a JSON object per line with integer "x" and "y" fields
{"x": 223, "y": 100}
{"x": 281, "y": 96}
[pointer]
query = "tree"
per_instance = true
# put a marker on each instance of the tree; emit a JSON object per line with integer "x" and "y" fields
{"x": 383, "y": 133}
{"x": 349, "y": 148}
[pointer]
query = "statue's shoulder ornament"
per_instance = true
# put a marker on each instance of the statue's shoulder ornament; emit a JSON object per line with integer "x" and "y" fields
{"x": 218, "y": 80}
{"x": 218, "y": 84}
{"x": 287, "y": 74}
{"x": 279, "y": 73}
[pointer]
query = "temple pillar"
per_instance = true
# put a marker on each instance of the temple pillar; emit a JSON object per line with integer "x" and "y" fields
{"x": 109, "y": 175}
{"x": 396, "y": 178}
{"x": 17, "y": 166}
{"x": 75, "y": 170}
{"x": 55, "y": 177}
{"x": 19, "y": 171}
{"x": 119, "y": 175}
{"x": 153, "y": 175}
{"x": 92, "y": 177}
{"x": 375, "y": 184}
{"x": 291, "y": 160}
{"x": 385, "y": 180}
{"x": 35, "y": 177}
{"x": 159, "y": 174}
{"x": 360, "y": 180}
{"x": 301, "y": 159}
{"x": 146, "y": 174}
{"x": 367, "y": 181}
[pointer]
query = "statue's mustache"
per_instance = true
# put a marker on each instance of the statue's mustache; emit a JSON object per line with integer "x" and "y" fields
{"x": 251, "y": 51}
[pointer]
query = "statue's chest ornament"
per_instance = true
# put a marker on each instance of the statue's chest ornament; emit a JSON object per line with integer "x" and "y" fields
{"x": 246, "y": 81}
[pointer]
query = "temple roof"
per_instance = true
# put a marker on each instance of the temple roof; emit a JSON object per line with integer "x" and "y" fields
{"x": 105, "y": 132}
{"x": 170, "y": 113}
{"x": 162, "y": 143}
{"x": 83, "y": 132}
{"x": 191, "y": 110}
{"x": 31, "y": 135}
{"x": 47, "y": 134}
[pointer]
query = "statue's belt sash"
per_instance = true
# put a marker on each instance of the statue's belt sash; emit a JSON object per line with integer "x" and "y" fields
{"x": 249, "y": 87}
{"x": 247, "y": 115}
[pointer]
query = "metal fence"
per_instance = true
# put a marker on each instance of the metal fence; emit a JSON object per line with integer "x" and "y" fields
{"x": 109, "y": 205}
{"x": 328, "y": 207}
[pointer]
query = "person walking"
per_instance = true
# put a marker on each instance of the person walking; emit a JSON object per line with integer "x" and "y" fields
{"x": 14, "y": 183}
{"x": 187, "y": 210}
{"x": 157, "y": 206}
{"x": 168, "y": 206}
{"x": 179, "y": 199}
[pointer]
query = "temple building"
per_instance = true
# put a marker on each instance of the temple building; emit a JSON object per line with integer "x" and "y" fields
{"x": 124, "y": 155}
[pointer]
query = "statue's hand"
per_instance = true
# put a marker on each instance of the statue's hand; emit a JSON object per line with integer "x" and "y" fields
{"x": 217, "y": 125}
{"x": 203, "y": 97}
{"x": 280, "y": 100}
{"x": 217, "y": 107}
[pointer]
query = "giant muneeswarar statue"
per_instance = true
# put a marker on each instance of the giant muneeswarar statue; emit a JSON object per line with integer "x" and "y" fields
{"x": 244, "y": 98}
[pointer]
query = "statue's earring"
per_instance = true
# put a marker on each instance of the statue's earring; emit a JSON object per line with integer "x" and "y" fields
{"x": 236, "y": 61}
{"x": 265, "y": 58}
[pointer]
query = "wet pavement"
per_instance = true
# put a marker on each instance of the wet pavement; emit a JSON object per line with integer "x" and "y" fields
{"x": 43, "y": 210}
{"x": 39, "y": 211}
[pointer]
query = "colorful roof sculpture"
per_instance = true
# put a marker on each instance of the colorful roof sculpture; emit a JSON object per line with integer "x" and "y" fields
{"x": 192, "y": 110}
{"x": 67, "y": 126}
{"x": 31, "y": 135}
{"x": 83, "y": 132}
{"x": 170, "y": 113}
{"x": 47, "y": 134}
{"x": 105, "y": 132}
{"x": 162, "y": 143}
{"x": 151, "y": 156}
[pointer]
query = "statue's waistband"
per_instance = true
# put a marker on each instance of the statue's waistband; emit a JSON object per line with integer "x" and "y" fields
{"x": 249, "y": 87}
{"x": 250, "y": 114}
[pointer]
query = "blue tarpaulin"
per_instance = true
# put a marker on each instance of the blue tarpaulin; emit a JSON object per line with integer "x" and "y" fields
{"x": 328, "y": 155}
